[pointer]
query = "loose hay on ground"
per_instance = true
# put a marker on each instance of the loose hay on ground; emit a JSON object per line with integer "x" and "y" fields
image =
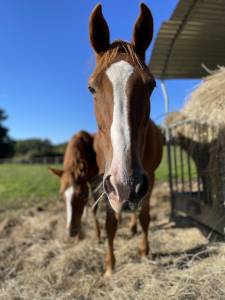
{"x": 37, "y": 262}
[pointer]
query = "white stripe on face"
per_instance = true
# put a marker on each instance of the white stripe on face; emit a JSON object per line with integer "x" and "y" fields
{"x": 69, "y": 195}
{"x": 119, "y": 73}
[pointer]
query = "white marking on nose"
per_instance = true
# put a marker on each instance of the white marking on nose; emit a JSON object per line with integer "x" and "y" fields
{"x": 69, "y": 196}
{"x": 119, "y": 73}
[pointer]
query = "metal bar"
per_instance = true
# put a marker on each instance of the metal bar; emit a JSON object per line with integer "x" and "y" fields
{"x": 204, "y": 187}
{"x": 176, "y": 124}
{"x": 197, "y": 169}
{"x": 189, "y": 172}
{"x": 182, "y": 168}
{"x": 175, "y": 166}
{"x": 205, "y": 141}
{"x": 166, "y": 98}
{"x": 168, "y": 143}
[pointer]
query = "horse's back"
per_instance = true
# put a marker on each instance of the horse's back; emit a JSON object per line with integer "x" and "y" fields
{"x": 80, "y": 147}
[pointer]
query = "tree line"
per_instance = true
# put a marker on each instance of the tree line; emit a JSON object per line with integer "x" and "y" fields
{"x": 28, "y": 148}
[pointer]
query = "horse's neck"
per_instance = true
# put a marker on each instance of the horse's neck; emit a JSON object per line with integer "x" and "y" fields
{"x": 153, "y": 148}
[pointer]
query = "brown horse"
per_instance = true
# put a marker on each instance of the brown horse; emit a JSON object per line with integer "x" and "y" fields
{"x": 128, "y": 144}
{"x": 79, "y": 168}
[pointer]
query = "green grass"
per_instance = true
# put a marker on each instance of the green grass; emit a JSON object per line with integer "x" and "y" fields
{"x": 23, "y": 185}
{"x": 162, "y": 171}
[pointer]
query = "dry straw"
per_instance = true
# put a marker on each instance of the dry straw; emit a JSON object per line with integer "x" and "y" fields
{"x": 205, "y": 107}
{"x": 207, "y": 103}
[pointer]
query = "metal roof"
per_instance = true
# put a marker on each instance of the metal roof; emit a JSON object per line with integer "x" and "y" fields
{"x": 195, "y": 35}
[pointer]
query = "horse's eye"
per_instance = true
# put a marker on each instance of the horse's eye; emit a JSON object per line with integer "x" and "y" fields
{"x": 91, "y": 89}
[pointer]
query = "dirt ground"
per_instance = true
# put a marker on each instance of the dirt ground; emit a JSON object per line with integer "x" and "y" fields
{"x": 38, "y": 261}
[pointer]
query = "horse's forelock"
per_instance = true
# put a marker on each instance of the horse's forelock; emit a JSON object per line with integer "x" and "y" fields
{"x": 117, "y": 48}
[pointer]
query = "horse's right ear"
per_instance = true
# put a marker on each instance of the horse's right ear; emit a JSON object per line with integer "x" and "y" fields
{"x": 98, "y": 30}
{"x": 56, "y": 172}
{"x": 143, "y": 31}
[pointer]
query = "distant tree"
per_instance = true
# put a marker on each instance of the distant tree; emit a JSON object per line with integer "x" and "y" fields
{"x": 6, "y": 144}
{"x": 59, "y": 149}
{"x": 33, "y": 147}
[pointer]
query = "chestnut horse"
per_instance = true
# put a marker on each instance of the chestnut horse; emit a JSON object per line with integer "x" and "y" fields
{"x": 79, "y": 167}
{"x": 128, "y": 144}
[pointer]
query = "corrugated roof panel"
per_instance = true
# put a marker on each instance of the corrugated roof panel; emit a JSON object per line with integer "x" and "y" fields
{"x": 194, "y": 36}
{"x": 203, "y": 10}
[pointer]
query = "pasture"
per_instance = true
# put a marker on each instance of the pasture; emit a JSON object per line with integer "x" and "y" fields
{"x": 38, "y": 261}
{"x": 26, "y": 185}
{"x": 29, "y": 185}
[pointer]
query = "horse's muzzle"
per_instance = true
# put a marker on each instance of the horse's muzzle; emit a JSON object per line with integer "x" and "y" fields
{"x": 126, "y": 193}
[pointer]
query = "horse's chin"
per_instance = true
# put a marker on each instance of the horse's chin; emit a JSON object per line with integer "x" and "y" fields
{"x": 115, "y": 202}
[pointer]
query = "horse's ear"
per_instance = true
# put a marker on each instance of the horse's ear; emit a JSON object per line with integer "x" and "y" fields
{"x": 143, "y": 30}
{"x": 57, "y": 172}
{"x": 98, "y": 30}
{"x": 82, "y": 168}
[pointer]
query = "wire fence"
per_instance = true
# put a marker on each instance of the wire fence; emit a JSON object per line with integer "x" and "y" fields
{"x": 48, "y": 160}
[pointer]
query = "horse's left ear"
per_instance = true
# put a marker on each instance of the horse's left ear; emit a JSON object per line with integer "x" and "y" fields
{"x": 98, "y": 30}
{"x": 143, "y": 30}
{"x": 57, "y": 172}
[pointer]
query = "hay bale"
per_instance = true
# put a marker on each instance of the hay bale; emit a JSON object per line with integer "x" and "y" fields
{"x": 174, "y": 117}
{"x": 207, "y": 103}
{"x": 204, "y": 135}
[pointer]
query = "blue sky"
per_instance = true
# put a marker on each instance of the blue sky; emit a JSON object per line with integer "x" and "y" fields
{"x": 46, "y": 59}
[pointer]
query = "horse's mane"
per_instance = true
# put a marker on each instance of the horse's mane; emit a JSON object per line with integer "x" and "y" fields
{"x": 81, "y": 144}
{"x": 118, "y": 47}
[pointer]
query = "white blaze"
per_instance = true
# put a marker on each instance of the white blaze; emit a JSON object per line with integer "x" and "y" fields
{"x": 119, "y": 73}
{"x": 69, "y": 194}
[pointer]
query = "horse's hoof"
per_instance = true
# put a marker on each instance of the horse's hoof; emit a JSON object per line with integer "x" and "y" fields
{"x": 80, "y": 237}
{"x": 143, "y": 252}
{"x": 108, "y": 274}
{"x": 133, "y": 230}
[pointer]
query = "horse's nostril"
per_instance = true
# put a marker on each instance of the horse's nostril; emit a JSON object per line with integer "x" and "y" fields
{"x": 108, "y": 187}
{"x": 142, "y": 187}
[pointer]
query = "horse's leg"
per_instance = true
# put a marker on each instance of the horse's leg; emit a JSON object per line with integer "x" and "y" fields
{"x": 94, "y": 211}
{"x": 133, "y": 224}
{"x": 119, "y": 217}
{"x": 111, "y": 227}
{"x": 97, "y": 225}
{"x": 144, "y": 218}
{"x": 85, "y": 213}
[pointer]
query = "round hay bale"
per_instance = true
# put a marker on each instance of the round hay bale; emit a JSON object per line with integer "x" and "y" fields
{"x": 174, "y": 117}
{"x": 207, "y": 103}
{"x": 203, "y": 132}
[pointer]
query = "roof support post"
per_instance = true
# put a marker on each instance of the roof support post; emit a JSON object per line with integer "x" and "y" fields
{"x": 168, "y": 146}
{"x": 166, "y": 97}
